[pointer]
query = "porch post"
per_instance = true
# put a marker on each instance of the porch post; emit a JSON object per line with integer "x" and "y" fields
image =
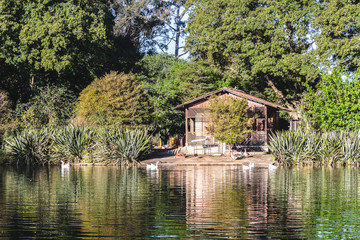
{"x": 266, "y": 124}
{"x": 186, "y": 127}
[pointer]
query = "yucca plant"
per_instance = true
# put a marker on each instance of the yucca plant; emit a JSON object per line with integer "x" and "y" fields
{"x": 288, "y": 147}
{"x": 350, "y": 148}
{"x": 329, "y": 151}
{"x": 30, "y": 147}
{"x": 73, "y": 142}
{"x": 124, "y": 145}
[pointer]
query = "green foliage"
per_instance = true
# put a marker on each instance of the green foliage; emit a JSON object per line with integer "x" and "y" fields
{"x": 73, "y": 142}
{"x": 290, "y": 148}
{"x": 30, "y": 147}
{"x": 337, "y": 43}
{"x": 334, "y": 103}
{"x": 4, "y": 113}
{"x": 264, "y": 45}
{"x": 50, "y": 106}
{"x": 115, "y": 99}
{"x": 228, "y": 120}
{"x": 170, "y": 81}
{"x": 56, "y": 42}
{"x": 123, "y": 145}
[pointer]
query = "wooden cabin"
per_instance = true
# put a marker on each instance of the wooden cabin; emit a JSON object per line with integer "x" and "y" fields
{"x": 267, "y": 120}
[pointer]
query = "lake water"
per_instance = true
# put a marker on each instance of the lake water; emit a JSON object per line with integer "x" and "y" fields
{"x": 192, "y": 202}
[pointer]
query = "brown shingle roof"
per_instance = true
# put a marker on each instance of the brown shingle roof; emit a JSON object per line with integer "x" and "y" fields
{"x": 233, "y": 91}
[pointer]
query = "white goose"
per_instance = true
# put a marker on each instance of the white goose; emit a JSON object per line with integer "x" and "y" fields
{"x": 152, "y": 166}
{"x": 236, "y": 155}
{"x": 246, "y": 154}
{"x": 65, "y": 165}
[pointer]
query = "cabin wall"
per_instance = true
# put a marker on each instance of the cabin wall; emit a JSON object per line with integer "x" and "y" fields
{"x": 197, "y": 121}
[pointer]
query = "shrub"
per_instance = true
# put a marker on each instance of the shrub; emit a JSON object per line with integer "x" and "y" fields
{"x": 291, "y": 148}
{"x": 50, "y": 105}
{"x": 30, "y": 147}
{"x": 115, "y": 99}
{"x": 73, "y": 142}
{"x": 123, "y": 145}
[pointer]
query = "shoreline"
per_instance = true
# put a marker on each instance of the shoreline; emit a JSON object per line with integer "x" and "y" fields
{"x": 260, "y": 159}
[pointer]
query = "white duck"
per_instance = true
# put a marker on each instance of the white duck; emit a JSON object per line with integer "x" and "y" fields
{"x": 272, "y": 167}
{"x": 152, "y": 166}
{"x": 65, "y": 165}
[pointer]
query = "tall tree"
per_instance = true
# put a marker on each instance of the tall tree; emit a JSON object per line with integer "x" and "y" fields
{"x": 151, "y": 24}
{"x": 339, "y": 31}
{"x": 67, "y": 41}
{"x": 265, "y": 44}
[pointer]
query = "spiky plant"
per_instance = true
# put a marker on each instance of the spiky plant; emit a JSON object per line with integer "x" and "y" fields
{"x": 287, "y": 147}
{"x": 73, "y": 142}
{"x": 329, "y": 151}
{"x": 30, "y": 147}
{"x": 350, "y": 148}
{"x": 123, "y": 145}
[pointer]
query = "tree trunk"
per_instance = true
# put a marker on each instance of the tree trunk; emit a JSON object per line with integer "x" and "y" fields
{"x": 177, "y": 34}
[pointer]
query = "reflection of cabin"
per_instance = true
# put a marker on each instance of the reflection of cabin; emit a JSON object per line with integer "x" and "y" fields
{"x": 267, "y": 119}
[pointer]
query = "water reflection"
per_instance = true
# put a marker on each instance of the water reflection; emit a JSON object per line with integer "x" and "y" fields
{"x": 183, "y": 202}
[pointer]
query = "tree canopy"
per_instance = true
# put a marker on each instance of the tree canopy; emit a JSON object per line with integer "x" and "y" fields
{"x": 263, "y": 44}
{"x": 334, "y": 103}
{"x": 115, "y": 99}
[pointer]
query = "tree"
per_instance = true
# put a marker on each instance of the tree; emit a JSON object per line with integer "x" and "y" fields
{"x": 115, "y": 99}
{"x": 59, "y": 42}
{"x": 339, "y": 28}
{"x": 266, "y": 45}
{"x": 228, "y": 120}
{"x": 334, "y": 103}
{"x": 170, "y": 81}
{"x": 151, "y": 23}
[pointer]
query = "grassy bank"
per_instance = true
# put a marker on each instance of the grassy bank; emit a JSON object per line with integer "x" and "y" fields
{"x": 78, "y": 144}
{"x": 322, "y": 148}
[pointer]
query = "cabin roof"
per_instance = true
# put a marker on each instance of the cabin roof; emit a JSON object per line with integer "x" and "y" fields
{"x": 233, "y": 91}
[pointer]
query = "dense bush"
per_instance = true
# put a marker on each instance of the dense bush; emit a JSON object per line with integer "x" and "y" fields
{"x": 290, "y": 148}
{"x": 4, "y": 113}
{"x": 113, "y": 99}
{"x": 51, "y": 105}
{"x": 334, "y": 103}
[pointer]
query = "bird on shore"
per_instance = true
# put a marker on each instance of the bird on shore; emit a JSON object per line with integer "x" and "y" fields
{"x": 236, "y": 155}
{"x": 245, "y": 153}
{"x": 65, "y": 165}
{"x": 272, "y": 167}
{"x": 152, "y": 166}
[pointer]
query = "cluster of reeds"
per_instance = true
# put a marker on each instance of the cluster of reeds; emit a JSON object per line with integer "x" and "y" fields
{"x": 79, "y": 143}
{"x": 290, "y": 148}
